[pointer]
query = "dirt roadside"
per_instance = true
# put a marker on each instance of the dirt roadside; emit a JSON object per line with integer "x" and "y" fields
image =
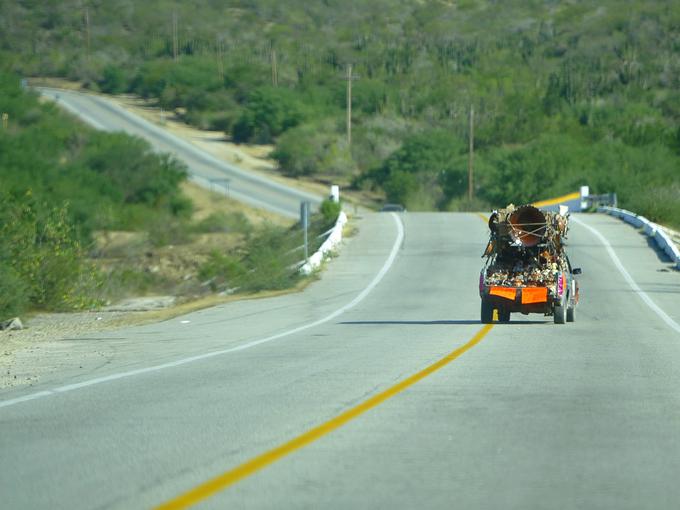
{"x": 43, "y": 346}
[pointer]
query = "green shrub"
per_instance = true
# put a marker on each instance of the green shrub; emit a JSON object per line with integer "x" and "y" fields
{"x": 113, "y": 81}
{"x": 14, "y": 292}
{"x": 269, "y": 258}
{"x": 42, "y": 258}
{"x": 330, "y": 211}
{"x": 268, "y": 261}
{"x": 269, "y": 112}
{"x": 222, "y": 271}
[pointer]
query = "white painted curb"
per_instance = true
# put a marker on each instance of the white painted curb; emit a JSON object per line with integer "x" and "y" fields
{"x": 650, "y": 228}
{"x": 328, "y": 246}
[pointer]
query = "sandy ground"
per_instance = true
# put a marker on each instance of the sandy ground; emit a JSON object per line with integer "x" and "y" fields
{"x": 44, "y": 346}
{"x": 27, "y": 354}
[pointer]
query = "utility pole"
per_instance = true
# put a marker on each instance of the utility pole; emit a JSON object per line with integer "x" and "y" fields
{"x": 220, "y": 58}
{"x": 349, "y": 79}
{"x": 175, "y": 41}
{"x": 471, "y": 155}
{"x": 87, "y": 33}
{"x": 275, "y": 71}
{"x": 304, "y": 220}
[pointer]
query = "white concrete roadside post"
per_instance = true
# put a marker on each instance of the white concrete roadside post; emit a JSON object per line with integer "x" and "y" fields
{"x": 335, "y": 193}
{"x": 585, "y": 191}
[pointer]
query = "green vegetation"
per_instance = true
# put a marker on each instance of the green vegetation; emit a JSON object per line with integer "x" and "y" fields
{"x": 65, "y": 185}
{"x": 270, "y": 258}
{"x": 42, "y": 263}
{"x": 60, "y": 182}
{"x": 565, "y": 93}
{"x": 109, "y": 180}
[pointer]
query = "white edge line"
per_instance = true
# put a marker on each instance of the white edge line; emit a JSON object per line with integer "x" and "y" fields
{"x": 629, "y": 279}
{"x": 155, "y": 368}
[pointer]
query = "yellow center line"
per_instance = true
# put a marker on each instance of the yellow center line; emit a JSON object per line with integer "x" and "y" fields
{"x": 221, "y": 482}
{"x": 263, "y": 460}
{"x": 554, "y": 201}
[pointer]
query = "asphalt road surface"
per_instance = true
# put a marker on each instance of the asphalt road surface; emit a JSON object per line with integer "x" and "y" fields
{"x": 308, "y": 400}
{"x": 242, "y": 185}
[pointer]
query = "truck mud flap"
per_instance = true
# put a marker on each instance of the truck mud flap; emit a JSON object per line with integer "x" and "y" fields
{"x": 525, "y": 295}
{"x": 534, "y": 295}
{"x": 504, "y": 292}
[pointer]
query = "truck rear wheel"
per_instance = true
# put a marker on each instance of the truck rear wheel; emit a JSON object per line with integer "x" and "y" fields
{"x": 503, "y": 315}
{"x": 560, "y": 314}
{"x": 570, "y": 314}
{"x": 487, "y": 312}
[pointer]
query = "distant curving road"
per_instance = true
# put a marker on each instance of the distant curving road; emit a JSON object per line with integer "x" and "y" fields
{"x": 376, "y": 387}
{"x": 244, "y": 186}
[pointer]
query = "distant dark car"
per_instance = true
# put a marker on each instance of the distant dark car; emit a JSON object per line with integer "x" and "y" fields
{"x": 393, "y": 208}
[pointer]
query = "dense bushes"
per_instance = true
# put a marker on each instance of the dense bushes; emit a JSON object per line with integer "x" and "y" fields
{"x": 268, "y": 113}
{"x": 586, "y": 75}
{"x": 270, "y": 258}
{"x": 60, "y": 181}
{"x": 42, "y": 263}
{"x": 314, "y": 149}
{"x": 428, "y": 171}
{"x": 110, "y": 180}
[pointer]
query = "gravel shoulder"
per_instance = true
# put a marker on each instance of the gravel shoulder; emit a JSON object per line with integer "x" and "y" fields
{"x": 46, "y": 344}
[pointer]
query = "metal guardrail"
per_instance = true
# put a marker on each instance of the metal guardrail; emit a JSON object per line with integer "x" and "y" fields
{"x": 662, "y": 239}
{"x": 604, "y": 200}
{"x": 333, "y": 239}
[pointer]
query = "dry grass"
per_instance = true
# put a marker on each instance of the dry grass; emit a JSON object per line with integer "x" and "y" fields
{"x": 208, "y": 202}
{"x": 208, "y": 302}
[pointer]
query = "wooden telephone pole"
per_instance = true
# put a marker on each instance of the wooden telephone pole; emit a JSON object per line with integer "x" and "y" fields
{"x": 175, "y": 38}
{"x": 471, "y": 154}
{"x": 349, "y": 79}
{"x": 220, "y": 57}
{"x": 87, "y": 33}
{"x": 275, "y": 71}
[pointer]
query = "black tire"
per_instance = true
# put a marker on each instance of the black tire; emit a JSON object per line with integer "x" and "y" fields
{"x": 503, "y": 315}
{"x": 570, "y": 314}
{"x": 560, "y": 314}
{"x": 487, "y": 312}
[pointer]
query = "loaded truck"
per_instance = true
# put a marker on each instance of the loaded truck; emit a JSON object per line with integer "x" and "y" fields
{"x": 527, "y": 269}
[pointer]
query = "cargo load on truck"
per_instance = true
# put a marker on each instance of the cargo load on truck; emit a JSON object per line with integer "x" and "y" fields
{"x": 527, "y": 269}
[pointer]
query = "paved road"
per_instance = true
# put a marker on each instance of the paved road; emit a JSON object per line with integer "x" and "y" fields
{"x": 245, "y": 186}
{"x": 535, "y": 415}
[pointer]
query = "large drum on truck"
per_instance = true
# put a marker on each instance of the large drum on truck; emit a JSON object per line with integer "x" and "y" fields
{"x": 527, "y": 269}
